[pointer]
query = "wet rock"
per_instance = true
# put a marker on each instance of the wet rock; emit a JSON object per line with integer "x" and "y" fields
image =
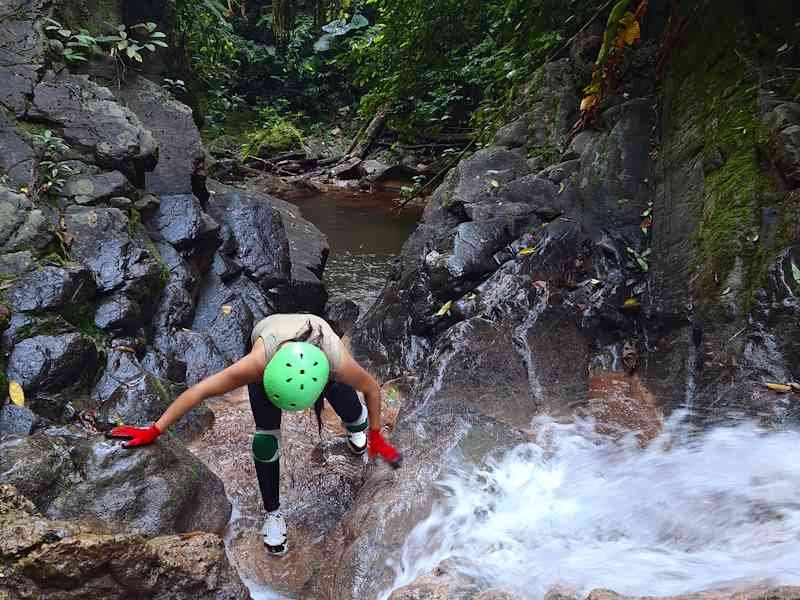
{"x": 225, "y": 316}
{"x": 486, "y": 170}
{"x": 88, "y": 559}
{"x": 347, "y": 169}
{"x": 50, "y": 363}
{"x": 760, "y": 593}
{"x": 195, "y": 355}
{"x": 176, "y": 305}
{"x": 513, "y": 135}
{"x": 308, "y": 252}
{"x": 158, "y": 489}
{"x": 787, "y": 147}
{"x": 147, "y": 204}
{"x": 341, "y": 314}
{"x": 262, "y": 245}
{"x": 549, "y": 104}
{"x": 51, "y": 287}
{"x": 38, "y": 465}
{"x": 101, "y": 240}
{"x": 96, "y": 188}
{"x": 181, "y": 157}
{"x": 16, "y": 420}
{"x": 23, "y": 226}
{"x": 25, "y": 325}
{"x": 373, "y": 170}
{"x": 17, "y": 158}
{"x": 93, "y": 123}
{"x": 16, "y": 263}
{"x": 119, "y": 313}
{"x": 22, "y": 48}
{"x": 180, "y": 221}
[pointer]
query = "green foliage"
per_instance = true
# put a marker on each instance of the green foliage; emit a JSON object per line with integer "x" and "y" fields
{"x": 275, "y": 134}
{"x": 437, "y": 62}
{"x": 71, "y": 46}
{"x": 50, "y": 174}
{"x": 123, "y": 45}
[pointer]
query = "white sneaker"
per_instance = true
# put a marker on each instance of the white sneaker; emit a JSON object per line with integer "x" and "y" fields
{"x": 274, "y": 532}
{"x": 357, "y": 441}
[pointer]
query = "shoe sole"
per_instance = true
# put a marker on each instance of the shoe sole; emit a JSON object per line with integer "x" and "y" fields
{"x": 358, "y": 451}
{"x": 278, "y": 550}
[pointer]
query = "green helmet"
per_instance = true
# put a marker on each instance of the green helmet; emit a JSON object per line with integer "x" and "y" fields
{"x": 296, "y": 376}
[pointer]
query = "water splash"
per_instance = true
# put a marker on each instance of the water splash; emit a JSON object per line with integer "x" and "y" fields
{"x": 693, "y": 511}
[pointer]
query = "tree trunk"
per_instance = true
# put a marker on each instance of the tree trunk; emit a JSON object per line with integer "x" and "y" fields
{"x": 282, "y": 20}
{"x": 366, "y": 137}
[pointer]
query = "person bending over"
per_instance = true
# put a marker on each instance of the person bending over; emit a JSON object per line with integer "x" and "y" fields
{"x": 295, "y": 361}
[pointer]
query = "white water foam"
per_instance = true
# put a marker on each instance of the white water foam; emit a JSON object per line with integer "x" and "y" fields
{"x": 693, "y": 511}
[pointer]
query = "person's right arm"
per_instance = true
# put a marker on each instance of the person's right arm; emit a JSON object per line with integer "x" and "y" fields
{"x": 247, "y": 370}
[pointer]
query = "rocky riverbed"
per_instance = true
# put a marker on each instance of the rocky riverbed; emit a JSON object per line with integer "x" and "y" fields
{"x": 609, "y": 277}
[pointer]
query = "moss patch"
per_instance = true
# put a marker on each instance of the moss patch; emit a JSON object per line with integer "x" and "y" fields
{"x": 714, "y": 81}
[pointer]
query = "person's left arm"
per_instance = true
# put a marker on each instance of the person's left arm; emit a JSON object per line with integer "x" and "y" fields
{"x": 354, "y": 375}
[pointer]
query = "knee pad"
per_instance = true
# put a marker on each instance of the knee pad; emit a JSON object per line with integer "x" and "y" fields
{"x": 359, "y": 424}
{"x": 267, "y": 445}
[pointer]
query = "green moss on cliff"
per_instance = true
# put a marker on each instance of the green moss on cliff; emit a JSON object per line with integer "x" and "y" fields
{"x": 714, "y": 87}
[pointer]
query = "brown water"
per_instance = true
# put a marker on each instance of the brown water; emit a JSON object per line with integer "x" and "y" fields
{"x": 364, "y": 234}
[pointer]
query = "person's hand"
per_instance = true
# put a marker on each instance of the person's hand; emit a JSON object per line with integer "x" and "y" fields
{"x": 378, "y": 446}
{"x": 137, "y": 436}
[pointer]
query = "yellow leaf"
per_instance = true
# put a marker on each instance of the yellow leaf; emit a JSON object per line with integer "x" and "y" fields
{"x": 589, "y": 101}
{"x": 226, "y": 309}
{"x": 16, "y": 394}
{"x": 495, "y": 183}
{"x": 631, "y": 302}
{"x": 526, "y": 251}
{"x": 629, "y": 30}
{"x": 779, "y": 387}
{"x": 445, "y": 308}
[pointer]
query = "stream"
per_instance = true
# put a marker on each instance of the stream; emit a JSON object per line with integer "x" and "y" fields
{"x": 695, "y": 510}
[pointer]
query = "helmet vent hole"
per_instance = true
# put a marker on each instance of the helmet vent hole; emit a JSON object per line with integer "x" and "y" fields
{"x": 288, "y": 380}
{"x": 302, "y": 371}
{"x": 315, "y": 363}
{"x": 292, "y": 404}
{"x": 288, "y": 364}
{"x": 314, "y": 378}
{"x": 277, "y": 396}
{"x": 301, "y": 356}
{"x": 301, "y": 386}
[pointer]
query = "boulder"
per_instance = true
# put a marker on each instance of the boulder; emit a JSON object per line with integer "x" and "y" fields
{"x": 23, "y": 225}
{"x": 101, "y": 240}
{"x": 94, "y": 124}
{"x": 159, "y": 489}
{"x": 119, "y": 312}
{"x": 181, "y": 156}
{"x": 51, "y": 363}
{"x": 16, "y": 420}
{"x": 51, "y": 287}
{"x": 17, "y": 159}
{"x": 93, "y": 189}
{"x": 22, "y": 49}
{"x": 222, "y": 312}
{"x": 341, "y": 314}
{"x": 262, "y": 246}
{"x": 141, "y": 398}
{"x": 186, "y": 357}
{"x": 176, "y": 305}
{"x": 308, "y": 252}
{"x": 180, "y": 220}
{"x": 87, "y": 559}
{"x": 15, "y": 263}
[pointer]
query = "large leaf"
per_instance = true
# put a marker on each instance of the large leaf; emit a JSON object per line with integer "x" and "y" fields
{"x": 359, "y": 22}
{"x": 323, "y": 44}
{"x": 337, "y": 27}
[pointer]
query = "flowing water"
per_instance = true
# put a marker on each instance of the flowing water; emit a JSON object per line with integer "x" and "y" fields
{"x": 364, "y": 236}
{"x": 695, "y": 510}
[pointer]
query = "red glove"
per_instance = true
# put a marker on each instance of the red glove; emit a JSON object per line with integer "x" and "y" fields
{"x": 139, "y": 436}
{"x": 378, "y": 446}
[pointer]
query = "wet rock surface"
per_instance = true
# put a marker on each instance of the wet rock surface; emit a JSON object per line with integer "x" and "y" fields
{"x": 84, "y": 559}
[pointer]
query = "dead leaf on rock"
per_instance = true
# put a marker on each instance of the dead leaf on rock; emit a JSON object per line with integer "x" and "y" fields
{"x": 782, "y": 388}
{"x": 16, "y": 393}
{"x": 445, "y": 309}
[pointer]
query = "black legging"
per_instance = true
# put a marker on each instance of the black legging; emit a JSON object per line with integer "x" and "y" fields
{"x": 341, "y": 397}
